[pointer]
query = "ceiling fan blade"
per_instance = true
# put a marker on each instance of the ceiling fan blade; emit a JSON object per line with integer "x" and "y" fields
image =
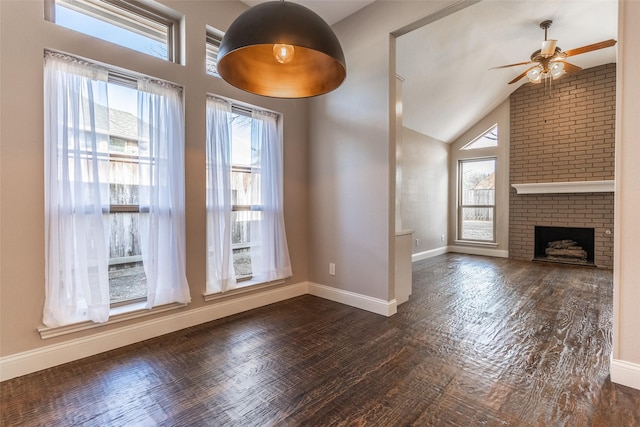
{"x": 589, "y": 48}
{"x": 570, "y": 68}
{"x": 524, "y": 73}
{"x": 511, "y": 65}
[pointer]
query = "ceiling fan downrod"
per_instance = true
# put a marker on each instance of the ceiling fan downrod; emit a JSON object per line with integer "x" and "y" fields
{"x": 545, "y": 26}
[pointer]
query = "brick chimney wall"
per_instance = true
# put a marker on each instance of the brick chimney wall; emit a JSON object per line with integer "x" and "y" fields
{"x": 559, "y": 134}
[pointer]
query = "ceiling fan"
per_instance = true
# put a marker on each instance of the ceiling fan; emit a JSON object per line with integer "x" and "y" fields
{"x": 550, "y": 61}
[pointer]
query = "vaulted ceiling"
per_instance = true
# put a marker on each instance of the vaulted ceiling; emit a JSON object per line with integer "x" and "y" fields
{"x": 448, "y": 85}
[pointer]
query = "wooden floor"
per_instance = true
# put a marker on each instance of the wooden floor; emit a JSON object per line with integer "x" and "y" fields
{"x": 482, "y": 342}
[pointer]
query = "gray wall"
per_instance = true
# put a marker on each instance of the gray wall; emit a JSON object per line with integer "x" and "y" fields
{"x": 352, "y": 155}
{"x": 424, "y": 201}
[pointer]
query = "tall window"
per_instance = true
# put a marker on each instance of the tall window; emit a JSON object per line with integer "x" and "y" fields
{"x": 114, "y": 191}
{"x": 128, "y": 23}
{"x": 246, "y": 241}
{"x": 477, "y": 200}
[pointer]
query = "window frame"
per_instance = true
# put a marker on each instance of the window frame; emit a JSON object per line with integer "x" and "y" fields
{"x": 253, "y": 283}
{"x": 469, "y": 145}
{"x": 129, "y": 15}
{"x": 461, "y": 206}
{"x": 129, "y": 79}
{"x": 212, "y": 46}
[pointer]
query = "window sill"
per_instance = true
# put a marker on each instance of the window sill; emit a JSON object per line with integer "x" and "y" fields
{"x": 116, "y": 315}
{"x": 474, "y": 243}
{"x": 248, "y": 286}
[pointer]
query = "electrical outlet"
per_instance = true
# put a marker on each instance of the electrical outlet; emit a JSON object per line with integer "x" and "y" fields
{"x": 417, "y": 242}
{"x": 442, "y": 238}
{"x": 332, "y": 269}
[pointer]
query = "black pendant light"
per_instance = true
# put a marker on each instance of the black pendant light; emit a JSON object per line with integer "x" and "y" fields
{"x": 283, "y": 50}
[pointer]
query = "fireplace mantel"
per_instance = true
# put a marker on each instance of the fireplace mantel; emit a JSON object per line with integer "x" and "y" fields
{"x": 566, "y": 187}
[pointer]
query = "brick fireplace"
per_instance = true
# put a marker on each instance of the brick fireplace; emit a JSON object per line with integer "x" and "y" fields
{"x": 558, "y": 135}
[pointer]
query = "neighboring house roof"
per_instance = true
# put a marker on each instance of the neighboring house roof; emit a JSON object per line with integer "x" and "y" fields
{"x": 489, "y": 183}
{"x": 123, "y": 125}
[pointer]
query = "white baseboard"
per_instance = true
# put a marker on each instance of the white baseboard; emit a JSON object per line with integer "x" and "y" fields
{"x": 477, "y": 250}
{"x": 30, "y": 361}
{"x": 625, "y": 373}
{"x": 45, "y": 357}
{"x": 429, "y": 254}
{"x": 364, "y": 302}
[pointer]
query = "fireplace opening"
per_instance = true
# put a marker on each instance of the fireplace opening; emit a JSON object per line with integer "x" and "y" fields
{"x": 566, "y": 245}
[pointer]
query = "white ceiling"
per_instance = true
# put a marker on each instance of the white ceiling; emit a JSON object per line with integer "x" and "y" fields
{"x": 331, "y": 11}
{"x": 448, "y": 85}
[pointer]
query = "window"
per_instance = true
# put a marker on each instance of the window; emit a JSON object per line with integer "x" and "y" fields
{"x": 127, "y": 23}
{"x": 114, "y": 191}
{"x": 245, "y": 192}
{"x": 127, "y": 280}
{"x": 246, "y": 241}
{"x": 214, "y": 38}
{"x": 487, "y": 139}
{"x": 476, "y": 204}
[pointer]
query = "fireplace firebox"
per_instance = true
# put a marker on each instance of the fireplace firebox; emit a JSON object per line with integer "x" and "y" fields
{"x": 567, "y": 245}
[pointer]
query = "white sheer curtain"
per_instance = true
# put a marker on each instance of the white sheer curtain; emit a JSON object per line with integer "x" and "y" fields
{"x": 76, "y": 192}
{"x": 161, "y": 193}
{"x": 269, "y": 252}
{"x": 220, "y": 272}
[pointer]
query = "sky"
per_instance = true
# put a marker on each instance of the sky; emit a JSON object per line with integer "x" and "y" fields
{"x": 103, "y": 30}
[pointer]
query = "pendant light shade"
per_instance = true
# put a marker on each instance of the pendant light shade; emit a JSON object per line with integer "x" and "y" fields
{"x": 283, "y": 50}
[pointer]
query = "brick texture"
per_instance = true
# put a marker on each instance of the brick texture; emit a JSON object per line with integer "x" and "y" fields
{"x": 558, "y": 134}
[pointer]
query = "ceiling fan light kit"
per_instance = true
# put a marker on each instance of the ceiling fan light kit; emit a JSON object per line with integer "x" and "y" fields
{"x": 283, "y": 50}
{"x": 557, "y": 69}
{"x": 549, "y": 61}
{"x": 535, "y": 74}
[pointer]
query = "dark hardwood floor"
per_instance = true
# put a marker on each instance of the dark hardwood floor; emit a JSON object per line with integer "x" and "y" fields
{"x": 482, "y": 342}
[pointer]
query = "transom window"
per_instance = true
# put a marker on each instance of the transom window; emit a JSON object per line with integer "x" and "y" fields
{"x": 477, "y": 200}
{"x": 487, "y": 139}
{"x": 127, "y": 23}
